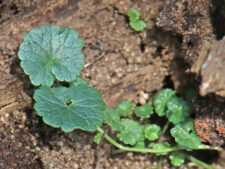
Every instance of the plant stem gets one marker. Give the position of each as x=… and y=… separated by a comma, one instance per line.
x=135, y=149
x=198, y=162
x=165, y=127
x=206, y=147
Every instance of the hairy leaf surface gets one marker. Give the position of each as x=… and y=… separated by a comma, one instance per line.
x=70, y=108
x=177, y=158
x=133, y=14
x=152, y=132
x=185, y=136
x=112, y=118
x=144, y=111
x=178, y=110
x=50, y=53
x=131, y=133
x=124, y=108
x=161, y=99
x=138, y=25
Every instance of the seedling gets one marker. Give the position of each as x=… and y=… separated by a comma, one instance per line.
x=51, y=55
x=135, y=22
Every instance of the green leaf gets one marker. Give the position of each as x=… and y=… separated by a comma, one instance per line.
x=138, y=25
x=160, y=146
x=124, y=108
x=51, y=52
x=177, y=158
x=135, y=22
x=98, y=138
x=161, y=100
x=152, y=132
x=70, y=108
x=133, y=14
x=144, y=111
x=112, y=118
x=185, y=136
x=132, y=132
x=140, y=144
x=178, y=110
x=79, y=81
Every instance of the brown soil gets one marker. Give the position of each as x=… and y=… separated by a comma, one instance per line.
x=122, y=64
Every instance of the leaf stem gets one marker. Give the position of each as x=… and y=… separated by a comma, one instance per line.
x=198, y=162
x=165, y=127
x=206, y=147
x=135, y=149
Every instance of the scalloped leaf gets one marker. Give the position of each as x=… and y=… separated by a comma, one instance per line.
x=178, y=110
x=131, y=133
x=133, y=14
x=135, y=22
x=161, y=99
x=185, y=136
x=138, y=25
x=144, y=111
x=124, y=108
x=70, y=108
x=112, y=118
x=177, y=158
x=152, y=132
x=50, y=53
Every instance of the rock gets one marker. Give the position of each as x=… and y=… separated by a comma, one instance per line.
x=213, y=70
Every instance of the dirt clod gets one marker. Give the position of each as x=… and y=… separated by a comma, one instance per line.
x=189, y=19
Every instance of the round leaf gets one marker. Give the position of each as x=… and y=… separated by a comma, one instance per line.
x=112, y=118
x=131, y=133
x=124, y=108
x=133, y=14
x=138, y=25
x=178, y=110
x=70, y=108
x=177, y=158
x=185, y=136
x=144, y=111
x=161, y=100
x=152, y=132
x=51, y=52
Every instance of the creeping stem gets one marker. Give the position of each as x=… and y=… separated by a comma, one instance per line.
x=135, y=149
x=148, y=150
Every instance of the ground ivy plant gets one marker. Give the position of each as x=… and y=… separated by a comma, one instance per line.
x=52, y=54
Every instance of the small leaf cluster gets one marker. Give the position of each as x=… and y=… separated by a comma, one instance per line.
x=141, y=133
x=178, y=111
x=135, y=22
x=129, y=131
x=51, y=55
